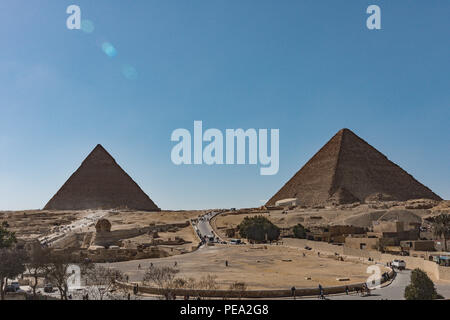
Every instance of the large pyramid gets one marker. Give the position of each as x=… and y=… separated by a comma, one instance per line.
x=100, y=183
x=346, y=170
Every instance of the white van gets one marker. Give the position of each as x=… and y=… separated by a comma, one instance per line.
x=399, y=264
x=235, y=241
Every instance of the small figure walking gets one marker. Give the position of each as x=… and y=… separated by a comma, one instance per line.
x=226, y=263
x=321, y=296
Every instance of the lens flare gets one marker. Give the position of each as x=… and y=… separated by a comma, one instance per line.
x=129, y=72
x=87, y=26
x=109, y=49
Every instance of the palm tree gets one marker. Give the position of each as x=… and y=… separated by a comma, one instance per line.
x=441, y=227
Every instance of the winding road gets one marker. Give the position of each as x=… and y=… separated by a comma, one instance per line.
x=203, y=226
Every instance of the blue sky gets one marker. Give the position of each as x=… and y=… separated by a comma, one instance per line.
x=308, y=68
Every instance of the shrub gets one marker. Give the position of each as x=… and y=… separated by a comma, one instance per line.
x=258, y=229
x=421, y=287
x=300, y=231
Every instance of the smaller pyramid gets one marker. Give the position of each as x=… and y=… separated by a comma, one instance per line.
x=100, y=183
x=347, y=170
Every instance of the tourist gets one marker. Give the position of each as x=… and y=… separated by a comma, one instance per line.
x=321, y=296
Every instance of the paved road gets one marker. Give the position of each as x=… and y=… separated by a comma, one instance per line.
x=78, y=225
x=394, y=291
x=203, y=225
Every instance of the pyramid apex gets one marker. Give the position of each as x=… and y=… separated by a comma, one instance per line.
x=99, y=146
x=345, y=130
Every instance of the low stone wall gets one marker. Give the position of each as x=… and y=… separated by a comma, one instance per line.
x=249, y=294
x=316, y=245
x=444, y=273
x=375, y=255
x=118, y=255
x=431, y=268
x=71, y=240
x=113, y=237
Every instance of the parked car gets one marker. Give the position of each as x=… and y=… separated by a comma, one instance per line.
x=10, y=289
x=399, y=264
x=235, y=241
x=16, y=285
x=48, y=288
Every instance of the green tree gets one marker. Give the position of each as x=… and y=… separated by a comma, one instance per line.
x=300, y=231
x=12, y=264
x=421, y=287
x=441, y=227
x=7, y=238
x=258, y=229
x=11, y=259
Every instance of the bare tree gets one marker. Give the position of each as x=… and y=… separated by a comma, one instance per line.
x=58, y=273
x=101, y=281
x=37, y=265
x=239, y=287
x=162, y=278
x=208, y=282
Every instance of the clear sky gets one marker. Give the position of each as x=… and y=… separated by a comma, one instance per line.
x=308, y=68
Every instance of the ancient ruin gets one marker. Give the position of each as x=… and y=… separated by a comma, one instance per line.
x=348, y=170
x=100, y=183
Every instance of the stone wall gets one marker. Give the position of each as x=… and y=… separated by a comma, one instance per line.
x=316, y=245
x=444, y=273
x=113, y=237
x=249, y=294
x=118, y=255
x=433, y=270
